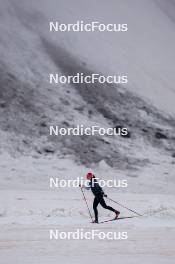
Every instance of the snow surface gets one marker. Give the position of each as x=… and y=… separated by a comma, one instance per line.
x=29, y=209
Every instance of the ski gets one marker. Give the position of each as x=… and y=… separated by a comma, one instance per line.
x=116, y=219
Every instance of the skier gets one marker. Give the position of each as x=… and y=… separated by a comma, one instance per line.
x=99, y=194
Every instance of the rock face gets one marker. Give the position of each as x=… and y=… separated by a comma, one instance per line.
x=29, y=105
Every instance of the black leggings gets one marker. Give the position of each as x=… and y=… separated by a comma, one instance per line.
x=99, y=200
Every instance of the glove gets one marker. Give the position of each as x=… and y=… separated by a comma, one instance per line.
x=105, y=195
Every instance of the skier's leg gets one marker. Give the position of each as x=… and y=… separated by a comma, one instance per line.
x=104, y=205
x=95, y=204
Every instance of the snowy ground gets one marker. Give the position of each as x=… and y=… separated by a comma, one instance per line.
x=31, y=214
x=149, y=241
x=29, y=209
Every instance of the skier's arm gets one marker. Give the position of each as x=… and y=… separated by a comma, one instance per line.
x=102, y=192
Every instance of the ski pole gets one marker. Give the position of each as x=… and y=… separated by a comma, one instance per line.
x=86, y=204
x=124, y=207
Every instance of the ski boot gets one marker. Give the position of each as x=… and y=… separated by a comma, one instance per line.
x=116, y=214
x=95, y=222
